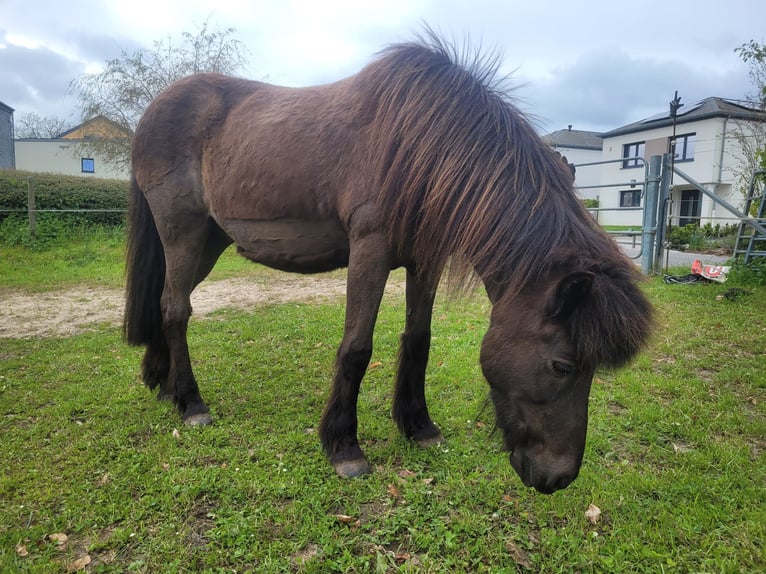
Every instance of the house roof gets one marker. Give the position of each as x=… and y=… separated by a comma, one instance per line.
x=576, y=139
x=702, y=110
x=97, y=127
x=6, y=108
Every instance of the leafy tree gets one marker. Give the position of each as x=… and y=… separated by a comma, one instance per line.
x=129, y=83
x=752, y=135
x=32, y=125
x=754, y=54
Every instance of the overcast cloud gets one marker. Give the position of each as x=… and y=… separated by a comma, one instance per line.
x=596, y=65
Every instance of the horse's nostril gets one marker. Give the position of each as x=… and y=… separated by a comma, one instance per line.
x=563, y=481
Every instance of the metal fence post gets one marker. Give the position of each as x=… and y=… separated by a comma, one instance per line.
x=662, y=210
x=649, y=227
x=31, y=205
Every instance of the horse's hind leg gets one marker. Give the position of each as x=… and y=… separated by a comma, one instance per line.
x=410, y=411
x=156, y=363
x=189, y=256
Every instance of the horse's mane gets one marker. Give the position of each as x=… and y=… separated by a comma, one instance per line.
x=463, y=173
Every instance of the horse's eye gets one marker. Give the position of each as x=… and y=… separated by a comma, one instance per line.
x=561, y=369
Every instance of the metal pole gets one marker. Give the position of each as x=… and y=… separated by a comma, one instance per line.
x=31, y=205
x=649, y=227
x=662, y=210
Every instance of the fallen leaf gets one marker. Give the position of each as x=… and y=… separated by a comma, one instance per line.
x=344, y=518
x=400, y=558
x=519, y=555
x=393, y=491
x=21, y=550
x=375, y=365
x=79, y=564
x=176, y=434
x=593, y=513
x=404, y=473
x=103, y=480
x=428, y=481
x=58, y=537
x=165, y=466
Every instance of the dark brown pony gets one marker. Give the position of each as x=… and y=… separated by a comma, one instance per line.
x=417, y=159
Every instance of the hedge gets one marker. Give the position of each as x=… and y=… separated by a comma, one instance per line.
x=65, y=192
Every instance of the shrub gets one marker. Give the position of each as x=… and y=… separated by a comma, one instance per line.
x=590, y=203
x=695, y=237
x=752, y=273
x=61, y=192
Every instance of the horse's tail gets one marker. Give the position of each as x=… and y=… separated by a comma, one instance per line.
x=145, y=271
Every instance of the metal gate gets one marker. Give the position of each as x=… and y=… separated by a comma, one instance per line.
x=655, y=200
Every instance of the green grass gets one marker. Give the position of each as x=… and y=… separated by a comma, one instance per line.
x=675, y=455
x=87, y=257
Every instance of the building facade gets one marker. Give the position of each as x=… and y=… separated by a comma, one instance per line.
x=706, y=148
x=70, y=153
x=7, y=150
x=580, y=147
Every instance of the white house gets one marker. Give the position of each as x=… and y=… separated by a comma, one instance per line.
x=706, y=149
x=580, y=147
x=69, y=153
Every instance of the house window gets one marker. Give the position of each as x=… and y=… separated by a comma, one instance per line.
x=630, y=198
x=633, y=151
x=684, y=147
x=88, y=165
x=691, y=208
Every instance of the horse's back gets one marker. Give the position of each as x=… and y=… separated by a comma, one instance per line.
x=277, y=168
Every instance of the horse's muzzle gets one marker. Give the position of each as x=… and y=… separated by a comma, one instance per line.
x=546, y=481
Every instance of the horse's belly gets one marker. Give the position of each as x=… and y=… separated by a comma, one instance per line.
x=291, y=245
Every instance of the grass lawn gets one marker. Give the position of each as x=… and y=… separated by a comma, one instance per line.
x=98, y=475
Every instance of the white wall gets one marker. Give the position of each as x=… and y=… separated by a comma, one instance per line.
x=711, y=168
x=584, y=176
x=61, y=156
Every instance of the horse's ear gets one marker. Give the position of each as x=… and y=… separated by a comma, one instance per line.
x=569, y=293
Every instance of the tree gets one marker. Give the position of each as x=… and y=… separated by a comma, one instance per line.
x=752, y=135
x=754, y=54
x=129, y=83
x=31, y=125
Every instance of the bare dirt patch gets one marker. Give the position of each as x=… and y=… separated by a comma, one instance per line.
x=72, y=311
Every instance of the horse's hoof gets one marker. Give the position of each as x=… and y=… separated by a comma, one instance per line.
x=430, y=441
x=200, y=419
x=352, y=468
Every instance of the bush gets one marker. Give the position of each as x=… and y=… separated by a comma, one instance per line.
x=61, y=192
x=698, y=238
x=753, y=273
x=590, y=203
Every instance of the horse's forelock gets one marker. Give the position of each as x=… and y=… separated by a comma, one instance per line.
x=613, y=323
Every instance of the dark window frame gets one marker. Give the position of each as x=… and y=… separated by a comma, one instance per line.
x=684, y=151
x=630, y=198
x=632, y=153
x=84, y=165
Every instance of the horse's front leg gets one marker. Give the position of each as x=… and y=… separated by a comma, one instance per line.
x=368, y=270
x=409, y=410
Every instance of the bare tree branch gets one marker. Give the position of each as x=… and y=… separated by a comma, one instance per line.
x=129, y=83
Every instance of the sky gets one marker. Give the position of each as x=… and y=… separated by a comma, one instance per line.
x=596, y=65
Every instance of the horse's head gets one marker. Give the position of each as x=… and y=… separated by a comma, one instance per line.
x=540, y=373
